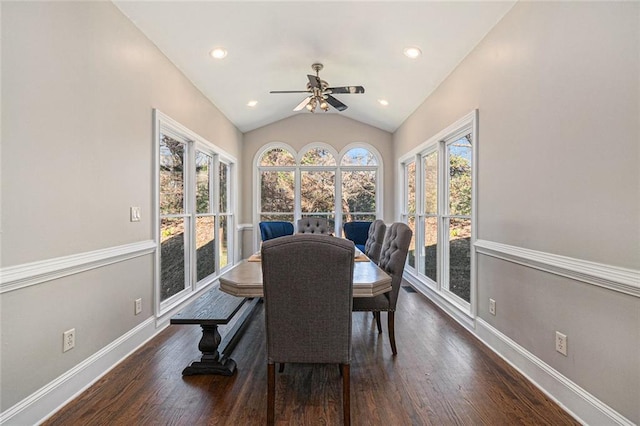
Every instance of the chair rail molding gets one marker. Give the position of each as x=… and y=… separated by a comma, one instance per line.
x=614, y=278
x=28, y=274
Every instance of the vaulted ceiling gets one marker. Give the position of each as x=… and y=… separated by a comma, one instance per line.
x=271, y=46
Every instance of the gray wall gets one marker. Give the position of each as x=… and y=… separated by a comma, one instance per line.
x=79, y=83
x=303, y=129
x=557, y=86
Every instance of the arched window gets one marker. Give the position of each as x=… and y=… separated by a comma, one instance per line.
x=318, y=182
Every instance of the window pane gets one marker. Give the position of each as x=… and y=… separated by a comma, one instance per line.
x=431, y=183
x=277, y=157
x=350, y=217
x=224, y=182
x=460, y=176
x=172, y=257
x=223, y=234
x=318, y=157
x=460, y=257
x=411, y=256
x=276, y=191
x=171, y=176
x=359, y=191
x=359, y=157
x=317, y=192
x=276, y=217
x=205, y=246
x=431, y=248
x=411, y=188
x=203, y=184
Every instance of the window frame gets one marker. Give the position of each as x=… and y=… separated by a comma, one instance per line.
x=438, y=144
x=299, y=168
x=163, y=124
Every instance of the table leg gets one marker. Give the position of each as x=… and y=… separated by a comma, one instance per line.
x=210, y=362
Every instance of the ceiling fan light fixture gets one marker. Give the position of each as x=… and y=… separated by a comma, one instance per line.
x=324, y=106
x=412, y=52
x=218, y=52
x=311, y=106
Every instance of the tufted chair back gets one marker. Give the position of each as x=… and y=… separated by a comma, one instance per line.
x=373, y=246
x=393, y=256
x=314, y=225
x=308, y=295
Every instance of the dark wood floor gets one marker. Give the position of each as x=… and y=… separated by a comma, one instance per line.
x=441, y=376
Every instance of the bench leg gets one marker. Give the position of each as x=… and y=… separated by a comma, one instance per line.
x=211, y=362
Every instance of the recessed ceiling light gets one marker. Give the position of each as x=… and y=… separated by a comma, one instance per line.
x=412, y=52
x=383, y=102
x=252, y=104
x=219, y=53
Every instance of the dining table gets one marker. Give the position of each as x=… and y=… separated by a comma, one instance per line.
x=241, y=287
x=245, y=279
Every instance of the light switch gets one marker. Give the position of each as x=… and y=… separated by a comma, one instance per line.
x=135, y=214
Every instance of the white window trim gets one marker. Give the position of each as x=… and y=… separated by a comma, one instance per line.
x=165, y=124
x=467, y=123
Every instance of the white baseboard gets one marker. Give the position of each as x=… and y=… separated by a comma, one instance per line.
x=43, y=403
x=578, y=402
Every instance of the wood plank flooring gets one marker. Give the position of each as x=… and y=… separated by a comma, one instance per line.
x=442, y=375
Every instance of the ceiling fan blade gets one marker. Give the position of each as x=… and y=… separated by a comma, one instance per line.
x=289, y=91
x=313, y=80
x=336, y=103
x=303, y=103
x=346, y=89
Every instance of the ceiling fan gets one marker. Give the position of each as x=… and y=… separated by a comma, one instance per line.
x=320, y=93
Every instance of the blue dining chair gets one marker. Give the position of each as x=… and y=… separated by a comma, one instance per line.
x=275, y=229
x=358, y=232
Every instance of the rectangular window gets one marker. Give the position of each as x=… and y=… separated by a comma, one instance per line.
x=430, y=215
x=277, y=195
x=195, y=213
x=205, y=217
x=441, y=175
x=410, y=209
x=174, y=259
x=359, y=195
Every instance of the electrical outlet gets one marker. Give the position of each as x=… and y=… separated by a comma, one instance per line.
x=492, y=306
x=561, y=343
x=138, y=306
x=134, y=214
x=68, y=339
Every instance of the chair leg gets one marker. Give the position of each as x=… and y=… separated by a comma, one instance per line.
x=376, y=315
x=346, y=394
x=392, y=334
x=271, y=393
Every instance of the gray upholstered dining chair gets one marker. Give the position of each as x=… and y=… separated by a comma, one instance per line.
x=308, y=286
x=392, y=259
x=314, y=225
x=373, y=246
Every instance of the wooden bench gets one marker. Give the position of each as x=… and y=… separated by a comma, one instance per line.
x=211, y=309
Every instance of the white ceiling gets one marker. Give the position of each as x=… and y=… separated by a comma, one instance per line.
x=272, y=45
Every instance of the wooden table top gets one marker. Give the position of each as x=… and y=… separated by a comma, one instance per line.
x=245, y=280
